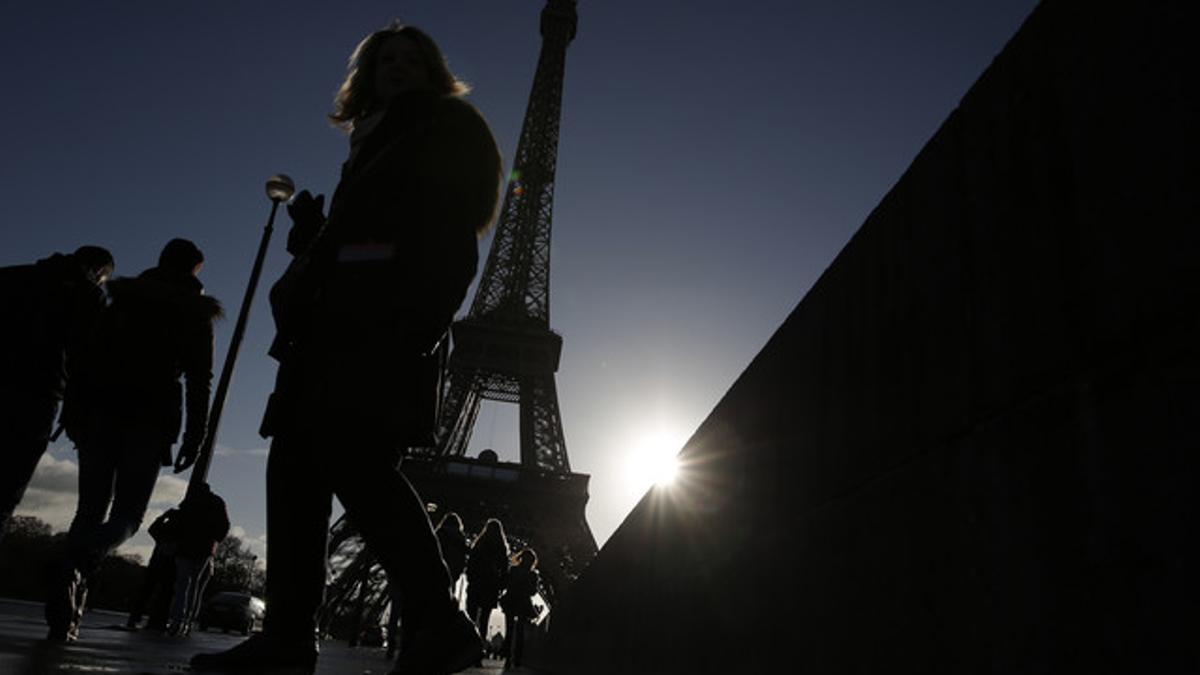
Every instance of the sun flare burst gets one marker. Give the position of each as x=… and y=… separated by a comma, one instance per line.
x=653, y=459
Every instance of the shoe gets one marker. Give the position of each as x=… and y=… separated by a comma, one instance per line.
x=446, y=647
x=260, y=653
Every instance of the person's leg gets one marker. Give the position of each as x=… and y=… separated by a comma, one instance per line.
x=96, y=471
x=160, y=602
x=137, y=466
x=198, y=590
x=299, y=503
x=393, y=522
x=518, y=641
x=138, y=608
x=24, y=434
x=186, y=571
x=395, y=527
x=298, y=507
x=510, y=627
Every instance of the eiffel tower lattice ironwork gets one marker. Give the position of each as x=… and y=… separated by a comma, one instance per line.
x=505, y=351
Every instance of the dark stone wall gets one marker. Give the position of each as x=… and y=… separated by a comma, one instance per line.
x=972, y=448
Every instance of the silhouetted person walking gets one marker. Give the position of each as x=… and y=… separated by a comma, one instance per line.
x=203, y=523
x=517, y=603
x=359, y=317
x=123, y=410
x=154, y=595
x=487, y=567
x=453, y=542
x=49, y=309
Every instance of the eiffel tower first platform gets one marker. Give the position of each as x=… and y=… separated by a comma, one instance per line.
x=505, y=351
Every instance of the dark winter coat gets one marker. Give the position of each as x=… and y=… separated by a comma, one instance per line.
x=487, y=567
x=360, y=312
x=49, y=309
x=158, y=328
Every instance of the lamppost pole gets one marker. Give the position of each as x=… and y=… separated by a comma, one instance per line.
x=279, y=189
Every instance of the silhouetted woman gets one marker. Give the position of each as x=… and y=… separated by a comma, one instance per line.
x=487, y=566
x=517, y=603
x=359, y=316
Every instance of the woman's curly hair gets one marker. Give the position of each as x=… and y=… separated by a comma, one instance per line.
x=356, y=98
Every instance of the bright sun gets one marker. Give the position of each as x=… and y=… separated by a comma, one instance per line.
x=652, y=459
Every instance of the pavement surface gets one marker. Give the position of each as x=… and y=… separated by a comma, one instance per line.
x=105, y=646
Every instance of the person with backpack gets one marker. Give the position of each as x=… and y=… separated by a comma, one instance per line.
x=204, y=522
x=123, y=409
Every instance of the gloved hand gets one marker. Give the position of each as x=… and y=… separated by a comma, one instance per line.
x=188, y=452
x=308, y=215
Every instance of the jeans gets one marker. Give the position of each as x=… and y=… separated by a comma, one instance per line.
x=304, y=473
x=117, y=471
x=24, y=433
x=160, y=576
x=190, y=575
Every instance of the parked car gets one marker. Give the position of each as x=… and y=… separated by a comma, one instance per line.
x=233, y=611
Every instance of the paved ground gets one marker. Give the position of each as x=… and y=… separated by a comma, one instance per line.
x=104, y=647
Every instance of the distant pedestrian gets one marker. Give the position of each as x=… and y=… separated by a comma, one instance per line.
x=453, y=542
x=517, y=604
x=123, y=409
x=154, y=595
x=49, y=309
x=487, y=566
x=203, y=523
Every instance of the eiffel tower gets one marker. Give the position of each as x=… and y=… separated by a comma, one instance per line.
x=505, y=351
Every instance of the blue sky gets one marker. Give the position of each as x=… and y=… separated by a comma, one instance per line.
x=714, y=158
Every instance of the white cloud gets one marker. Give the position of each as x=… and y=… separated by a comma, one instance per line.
x=52, y=492
x=140, y=551
x=168, y=491
x=256, y=544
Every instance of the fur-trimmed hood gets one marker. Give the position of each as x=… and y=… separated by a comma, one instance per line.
x=157, y=285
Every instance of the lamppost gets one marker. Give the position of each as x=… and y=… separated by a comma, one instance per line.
x=279, y=189
x=250, y=573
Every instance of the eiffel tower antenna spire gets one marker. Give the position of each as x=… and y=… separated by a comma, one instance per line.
x=515, y=286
